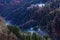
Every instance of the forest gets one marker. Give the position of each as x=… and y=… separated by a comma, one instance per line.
x=30, y=20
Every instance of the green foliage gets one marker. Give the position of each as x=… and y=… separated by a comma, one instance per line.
x=26, y=35
x=47, y=37
x=14, y=29
x=36, y=36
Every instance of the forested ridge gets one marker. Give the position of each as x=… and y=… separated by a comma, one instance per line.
x=27, y=16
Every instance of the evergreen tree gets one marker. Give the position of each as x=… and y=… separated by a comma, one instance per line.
x=14, y=29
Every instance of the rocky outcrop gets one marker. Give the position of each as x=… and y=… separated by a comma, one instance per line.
x=10, y=36
x=3, y=27
x=4, y=31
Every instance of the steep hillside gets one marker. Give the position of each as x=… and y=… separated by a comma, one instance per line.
x=21, y=13
x=4, y=31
